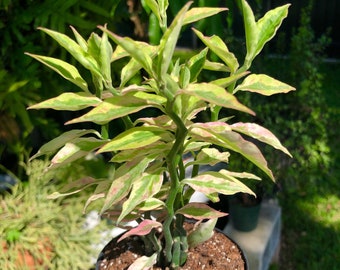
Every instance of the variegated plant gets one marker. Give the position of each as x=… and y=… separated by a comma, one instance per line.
x=149, y=184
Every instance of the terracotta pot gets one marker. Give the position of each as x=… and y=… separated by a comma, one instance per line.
x=218, y=253
x=25, y=258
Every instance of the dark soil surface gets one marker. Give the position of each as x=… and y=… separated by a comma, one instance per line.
x=218, y=253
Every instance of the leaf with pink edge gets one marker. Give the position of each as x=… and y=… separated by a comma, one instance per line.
x=124, y=178
x=142, y=189
x=199, y=211
x=58, y=142
x=144, y=228
x=68, y=102
x=260, y=133
x=143, y=263
x=211, y=182
x=264, y=85
x=218, y=134
x=215, y=95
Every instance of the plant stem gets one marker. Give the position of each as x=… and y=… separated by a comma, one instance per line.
x=215, y=111
x=174, y=200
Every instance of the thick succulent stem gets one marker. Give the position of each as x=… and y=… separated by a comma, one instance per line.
x=172, y=233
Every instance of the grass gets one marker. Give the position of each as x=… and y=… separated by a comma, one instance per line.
x=311, y=216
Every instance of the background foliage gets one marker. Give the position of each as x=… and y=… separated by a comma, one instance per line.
x=49, y=230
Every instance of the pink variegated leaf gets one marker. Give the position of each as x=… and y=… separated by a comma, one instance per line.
x=215, y=95
x=217, y=133
x=134, y=138
x=199, y=211
x=75, y=150
x=210, y=156
x=150, y=204
x=58, y=142
x=144, y=228
x=143, y=188
x=124, y=179
x=211, y=182
x=119, y=106
x=143, y=263
x=260, y=133
x=158, y=148
x=68, y=102
x=264, y=85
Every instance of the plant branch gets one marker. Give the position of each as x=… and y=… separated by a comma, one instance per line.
x=173, y=201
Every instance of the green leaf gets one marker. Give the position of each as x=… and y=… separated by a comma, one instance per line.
x=216, y=95
x=118, y=53
x=58, y=142
x=128, y=71
x=119, y=106
x=142, y=189
x=225, y=82
x=196, y=64
x=75, y=186
x=75, y=50
x=216, y=182
x=162, y=121
x=201, y=233
x=199, y=13
x=105, y=58
x=251, y=32
x=199, y=211
x=74, y=150
x=243, y=175
x=158, y=148
x=125, y=176
x=81, y=41
x=80, y=184
x=68, y=102
x=210, y=156
x=151, y=204
x=216, y=44
x=188, y=106
x=131, y=68
x=64, y=69
x=218, y=133
x=260, y=133
x=215, y=66
x=137, y=50
x=259, y=33
x=264, y=85
x=184, y=76
x=169, y=40
x=134, y=138
x=94, y=47
x=153, y=5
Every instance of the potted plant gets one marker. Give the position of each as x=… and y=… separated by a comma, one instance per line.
x=148, y=183
x=32, y=229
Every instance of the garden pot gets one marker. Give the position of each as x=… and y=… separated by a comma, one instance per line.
x=218, y=253
x=24, y=259
x=244, y=213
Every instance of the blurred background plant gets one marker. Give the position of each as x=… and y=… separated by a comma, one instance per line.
x=43, y=232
